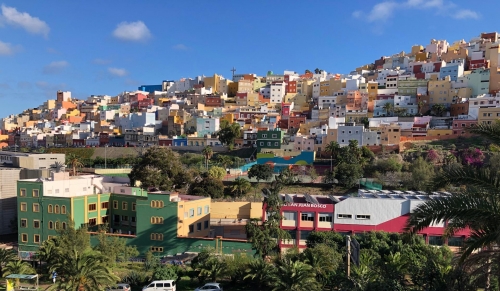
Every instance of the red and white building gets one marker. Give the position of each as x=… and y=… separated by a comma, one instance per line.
x=371, y=210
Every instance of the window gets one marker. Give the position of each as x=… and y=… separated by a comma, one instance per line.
x=24, y=237
x=156, y=236
x=276, y=144
x=66, y=190
x=124, y=206
x=156, y=249
x=36, y=193
x=198, y=226
x=288, y=215
x=275, y=136
x=191, y=212
x=36, y=223
x=50, y=209
x=305, y=216
x=344, y=216
x=24, y=222
x=207, y=209
x=325, y=217
x=104, y=205
x=57, y=191
x=22, y=192
x=92, y=221
x=133, y=206
x=191, y=228
x=36, y=238
x=105, y=219
x=115, y=204
x=436, y=240
x=56, y=225
x=264, y=136
x=124, y=218
x=455, y=241
x=156, y=220
x=156, y=204
x=36, y=207
x=206, y=224
x=63, y=209
x=92, y=207
x=199, y=211
x=56, y=209
x=51, y=225
x=362, y=216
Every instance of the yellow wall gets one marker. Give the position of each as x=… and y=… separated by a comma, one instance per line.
x=488, y=115
x=243, y=210
x=436, y=132
x=184, y=219
x=212, y=82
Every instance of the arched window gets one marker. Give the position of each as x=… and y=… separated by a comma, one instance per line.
x=63, y=209
x=64, y=225
x=153, y=203
x=56, y=209
x=50, y=208
x=57, y=225
x=160, y=204
x=51, y=225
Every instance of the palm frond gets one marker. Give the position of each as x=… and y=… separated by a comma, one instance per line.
x=481, y=178
x=489, y=131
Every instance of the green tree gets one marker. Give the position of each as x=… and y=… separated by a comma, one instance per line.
x=438, y=109
x=159, y=167
x=388, y=107
x=348, y=174
x=207, y=186
x=228, y=133
x=240, y=186
x=260, y=172
x=6, y=256
x=324, y=261
x=259, y=273
x=287, y=177
x=217, y=172
x=18, y=267
x=83, y=271
x=293, y=276
x=207, y=153
x=311, y=172
x=209, y=265
x=165, y=272
x=115, y=248
x=422, y=173
x=74, y=162
x=224, y=161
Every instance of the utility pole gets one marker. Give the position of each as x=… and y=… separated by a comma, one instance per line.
x=352, y=254
x=233, y=70
x=105, y=156
x=348, y=267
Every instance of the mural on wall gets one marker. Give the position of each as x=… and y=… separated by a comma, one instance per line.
x=304, y=158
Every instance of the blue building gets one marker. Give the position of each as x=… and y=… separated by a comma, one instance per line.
x=453, y=69
x=180, y=142
x=150, y=88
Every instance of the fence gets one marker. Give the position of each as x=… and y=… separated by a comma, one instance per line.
x=370, y=185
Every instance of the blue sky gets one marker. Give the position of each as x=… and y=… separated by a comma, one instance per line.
x=106, y=47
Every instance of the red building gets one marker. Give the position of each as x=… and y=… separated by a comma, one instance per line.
x=213, y=101
x=460, y=125
x=145, y=103
x=369, y=211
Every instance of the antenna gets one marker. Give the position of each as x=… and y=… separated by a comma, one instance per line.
x=233, y=70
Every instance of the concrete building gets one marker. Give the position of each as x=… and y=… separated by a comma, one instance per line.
x=454, y=69
x=350, y=131
x=207, y=126
x=479, y=81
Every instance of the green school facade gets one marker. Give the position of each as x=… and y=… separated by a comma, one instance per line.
x=163, y=222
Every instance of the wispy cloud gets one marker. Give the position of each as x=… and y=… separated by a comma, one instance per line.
x=52, y=51
x=24, y=85
x=55, y=67
x=48, y=88
x=132, y=31
x=383, y=11
x=31, y=24
x=8, y=49
x=117, y=72
x=180, y=47
x=4, y=86
x=101, y=61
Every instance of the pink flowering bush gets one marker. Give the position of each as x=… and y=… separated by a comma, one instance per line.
x=471, y=157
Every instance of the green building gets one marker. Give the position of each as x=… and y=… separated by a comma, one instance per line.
x=269, y=139
x=163, y=222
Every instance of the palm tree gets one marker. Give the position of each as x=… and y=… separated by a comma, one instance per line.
x=438, y=109
x=6, y=256
x=258, y=272
x=85, y=271
x=334, y=149
x=420, y=105
x=73, y=161
x=388, y=107
x=207, y=152
x=18, y=267
x=293, y=275
x=240, y=186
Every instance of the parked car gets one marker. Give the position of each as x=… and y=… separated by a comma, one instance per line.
x=161, y=285
x=119, y=287
x=210, y=287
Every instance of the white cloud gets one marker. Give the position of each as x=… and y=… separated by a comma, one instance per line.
x=132, y=31
x=55, y=67
x=465, y=13
x=386, y=9
x=180, y=47
x=101, y=61
x=31, y=24
x=117, y=72
x=8, y=49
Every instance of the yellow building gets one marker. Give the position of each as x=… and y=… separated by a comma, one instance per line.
x=439, y=91
x=193, y=215
x=212, y=82
x=228, y=219
x=390, y=134
x=232, y=89
x=488, y=115
x=245, y=86
x=229, y=117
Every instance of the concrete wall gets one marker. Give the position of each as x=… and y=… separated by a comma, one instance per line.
x=236, y=210
x=8, y=200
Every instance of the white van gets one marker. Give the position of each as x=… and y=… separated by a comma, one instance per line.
x=161, y=285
